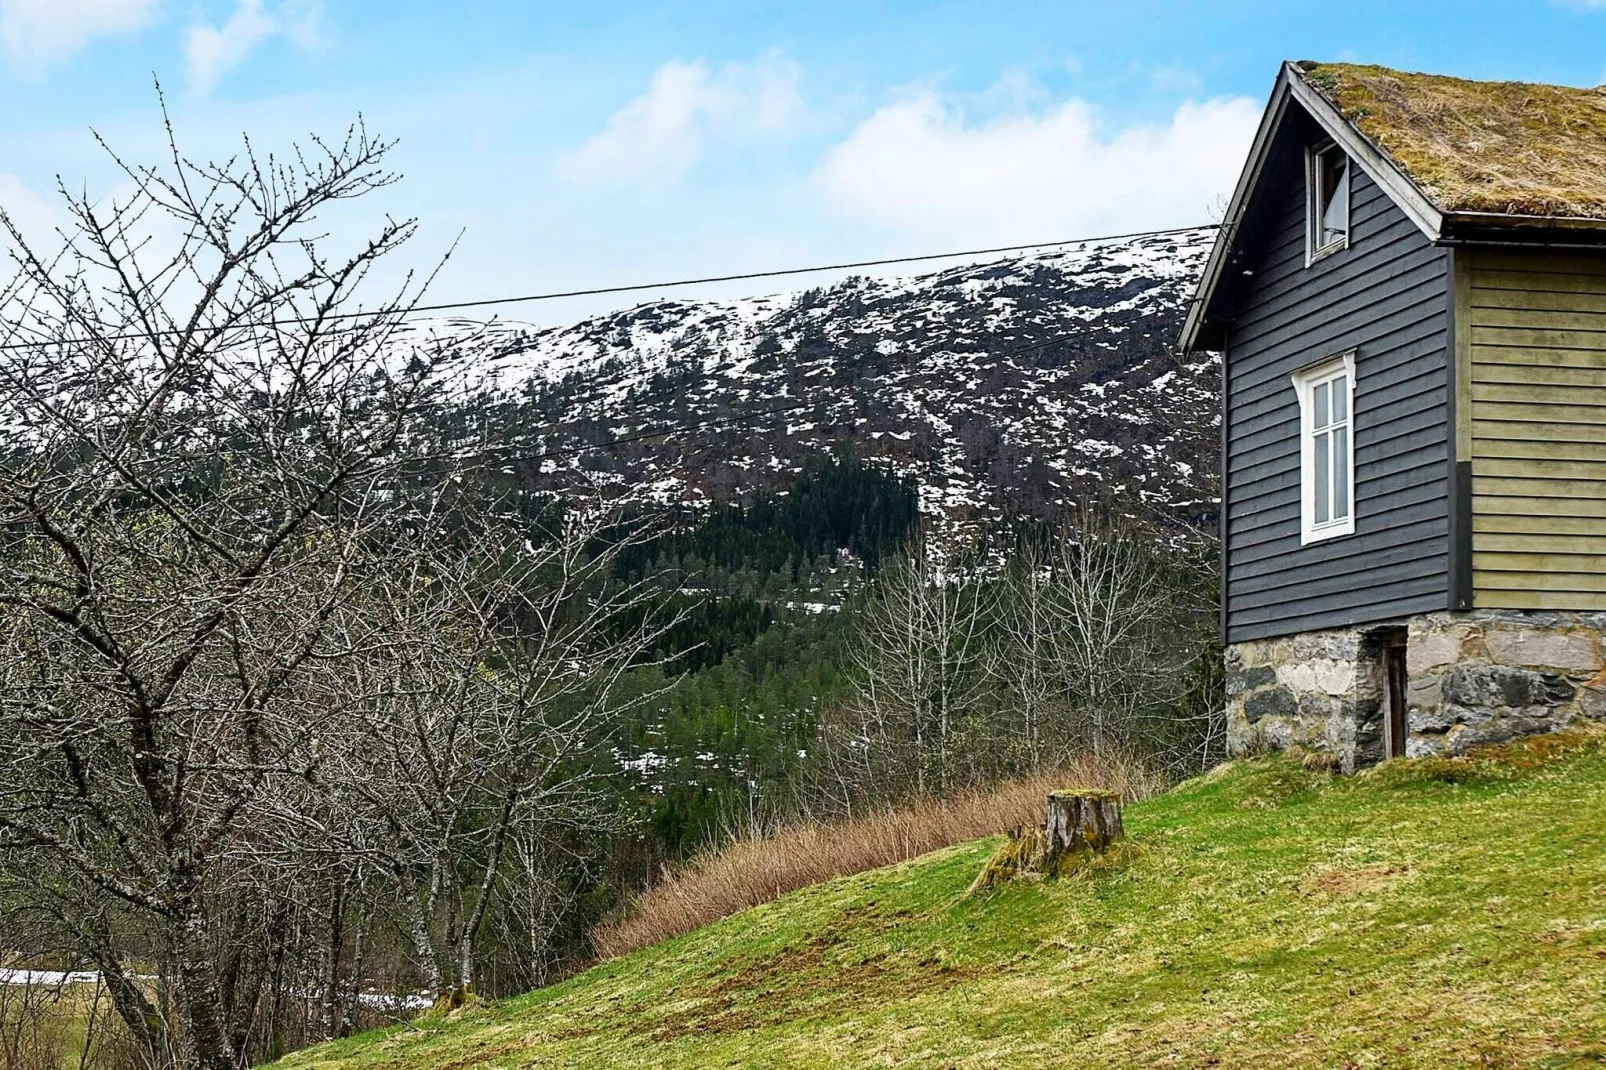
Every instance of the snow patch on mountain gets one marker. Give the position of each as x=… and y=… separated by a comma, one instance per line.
x=1018, y=386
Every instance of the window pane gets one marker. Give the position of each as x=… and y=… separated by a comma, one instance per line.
x=1323, y=475
x=1340, y=400
x=1318, y=406
x=1335, y=197
x=1340, y=472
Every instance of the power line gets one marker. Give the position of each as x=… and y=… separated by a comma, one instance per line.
x=638, y=286
x=790, y=271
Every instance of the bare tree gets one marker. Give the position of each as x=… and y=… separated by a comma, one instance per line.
x=541, y=899
x=507, y=646
x=194, y=450
x=917, y=657
x=1122, y=628
x=1025, y=651
x=1100, y=634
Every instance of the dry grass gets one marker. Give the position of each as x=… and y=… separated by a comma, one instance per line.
x=753, y=871
x=1507, y=147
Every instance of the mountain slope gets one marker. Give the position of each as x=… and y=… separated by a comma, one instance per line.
x=1015, y=387
x=1432, y=913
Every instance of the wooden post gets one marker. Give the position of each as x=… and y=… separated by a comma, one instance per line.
x=1080, y=822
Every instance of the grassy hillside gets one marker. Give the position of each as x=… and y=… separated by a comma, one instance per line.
x=1429, y=913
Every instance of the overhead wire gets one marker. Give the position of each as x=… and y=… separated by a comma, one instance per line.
x=799, y=271
x=444, y=306
x=595, y=387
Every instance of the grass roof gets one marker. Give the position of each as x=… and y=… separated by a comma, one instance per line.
x=1508, y=147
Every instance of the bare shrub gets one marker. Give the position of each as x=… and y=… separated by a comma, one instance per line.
x=755, y=870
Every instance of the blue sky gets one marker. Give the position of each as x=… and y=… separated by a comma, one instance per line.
x=591, y=143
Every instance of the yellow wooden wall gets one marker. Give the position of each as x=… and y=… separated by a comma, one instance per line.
x=1531, y=354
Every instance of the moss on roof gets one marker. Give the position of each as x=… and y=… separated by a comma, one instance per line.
x=1509, y=147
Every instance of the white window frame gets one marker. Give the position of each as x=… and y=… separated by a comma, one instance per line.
x=1314, y=250
x=1330, y=370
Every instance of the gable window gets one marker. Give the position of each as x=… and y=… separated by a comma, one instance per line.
x=1326, y=448
x=1327, y=182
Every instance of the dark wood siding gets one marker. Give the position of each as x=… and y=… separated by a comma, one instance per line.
x=1385, y=297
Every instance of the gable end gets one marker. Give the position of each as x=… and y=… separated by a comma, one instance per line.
x=1204, y=326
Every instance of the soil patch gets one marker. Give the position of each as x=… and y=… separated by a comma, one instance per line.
x=1347, y=882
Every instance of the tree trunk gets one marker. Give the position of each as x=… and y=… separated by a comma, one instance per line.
x=200, y=1001
x=329, y=998
x=354, y=987
x=429, y=962
x=140, y=1016
x=1080, y=823
x=476, y=918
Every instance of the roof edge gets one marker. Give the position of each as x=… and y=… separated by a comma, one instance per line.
x=1228, y=232
x=1516, y=221
x=1377, y=165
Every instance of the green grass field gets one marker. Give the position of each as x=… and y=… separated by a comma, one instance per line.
x=1430, y=913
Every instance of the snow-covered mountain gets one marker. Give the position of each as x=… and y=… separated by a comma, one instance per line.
x=1018, y=386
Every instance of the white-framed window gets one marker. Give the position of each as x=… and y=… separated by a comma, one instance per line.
x=1326, y=448
x=1327, y=184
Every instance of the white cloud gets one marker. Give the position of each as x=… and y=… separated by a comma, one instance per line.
x=35, y=33
x=35, y=216
x=918, y=166
x=659, y=136
x=213, y=51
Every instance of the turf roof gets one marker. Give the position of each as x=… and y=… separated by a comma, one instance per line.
x=1508, y=147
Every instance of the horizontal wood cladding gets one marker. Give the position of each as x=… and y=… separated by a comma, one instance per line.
x=1385, y=297
x=1536, y=322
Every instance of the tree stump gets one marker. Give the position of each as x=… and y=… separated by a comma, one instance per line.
x=1081, y=822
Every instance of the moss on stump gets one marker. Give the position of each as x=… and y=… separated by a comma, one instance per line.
x=1081, y=823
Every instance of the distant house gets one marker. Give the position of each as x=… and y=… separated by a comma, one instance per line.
x=1409, y=289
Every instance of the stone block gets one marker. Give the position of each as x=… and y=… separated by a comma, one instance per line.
x=1424, y=746
x=1335, y=677
x=1316, y=709
x=1335, y=645
x=1322, y=675
x=1575, y=651
x=1592, y=701
x=1491, y=686
x=1504, y=726
x=1435, y=648
x=1277, y=733
x=1434, y=719
x=1240, y=679
x=1272, y=702
x=1532, y=619
x=1425, y=692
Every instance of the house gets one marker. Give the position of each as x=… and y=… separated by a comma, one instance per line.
x=1409, y=293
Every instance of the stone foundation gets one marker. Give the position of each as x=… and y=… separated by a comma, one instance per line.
x=1483, y=676
x=1321, y=690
